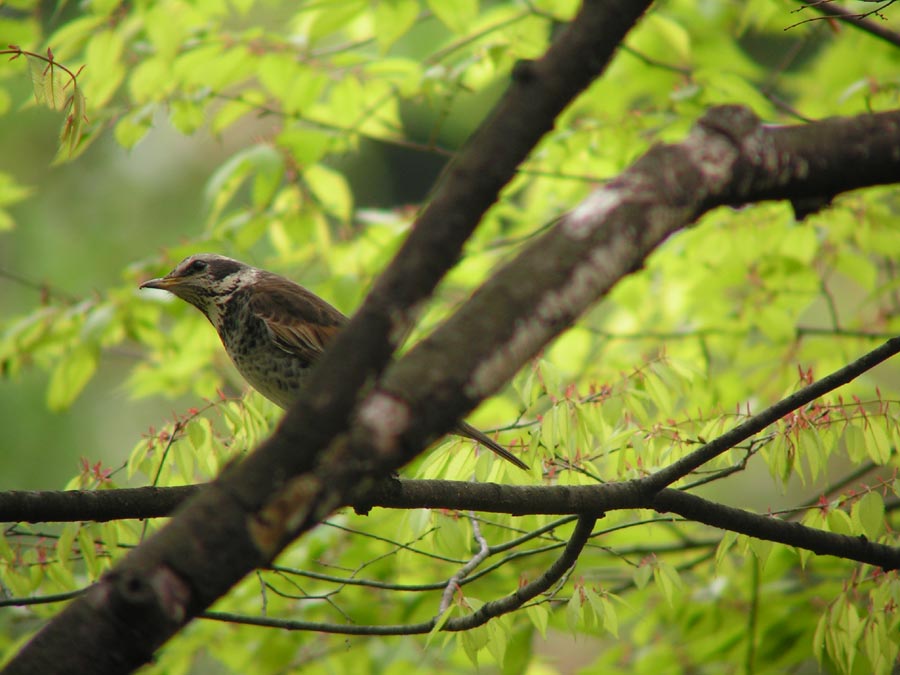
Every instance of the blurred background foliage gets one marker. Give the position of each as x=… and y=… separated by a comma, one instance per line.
x=86, y=222
x=303, y=137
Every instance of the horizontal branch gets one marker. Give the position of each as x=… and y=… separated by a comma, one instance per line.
x=770, y=528
x=598, y=499
x=79, y=505
x=66, y=506
x=254, y=509
x=155, y=502
x=556, y=499
x=328, y=451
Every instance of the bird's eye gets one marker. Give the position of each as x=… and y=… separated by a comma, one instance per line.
x=197, y=266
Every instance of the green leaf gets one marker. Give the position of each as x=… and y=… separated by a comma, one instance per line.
x=818, y=643
x=610, y=617
x=452, y=535
x=64, y=544
x=49, y=83
x=213, y=67
x=441, y=621
x=184, y=460
x=562, y=10
x=336, y=16
x=136, y=459
x=497, y=641
x=296, y=86
x=669, y=36
x=839, y=522
x=539, y=616
x=668, y=579
x=103, y=67
x=800, y=243
x=331, y=191
x=457, y=15
x=199, y=432
x=104, y=7
x=109, y=534
x=18, y=584
x=7, y=555
x=73, y=35
x=167, y=33
x=88, y=550
x=132, y=128
x=263, y=162
x=868, y=513
x=187, y=116
x=573, y=613
x=642, y=575
x=230, y=112
x=71, y=134
x=855, y=443
x=603, y=610
x=11, y=192
x=724, y=547
x=151, y=80
x=307, y=146
x=858, y=267
x=762, y=549
x=473, y=641
x=878, y=445
x=393, y=18
x=61, y=576
x=269, y=177
x=71, y=374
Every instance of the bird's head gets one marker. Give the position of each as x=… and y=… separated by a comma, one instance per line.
x=205, y=280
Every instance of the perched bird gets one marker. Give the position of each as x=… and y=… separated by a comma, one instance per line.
x=272, y=328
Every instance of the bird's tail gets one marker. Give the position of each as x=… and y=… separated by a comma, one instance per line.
x=467, y=430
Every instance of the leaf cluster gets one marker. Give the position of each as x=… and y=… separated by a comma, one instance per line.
x=726, y=318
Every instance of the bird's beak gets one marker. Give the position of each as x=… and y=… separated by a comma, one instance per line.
x=163, y=283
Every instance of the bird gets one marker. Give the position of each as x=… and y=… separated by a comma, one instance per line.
x=273, y=329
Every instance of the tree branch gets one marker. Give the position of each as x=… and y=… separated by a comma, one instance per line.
x=774, y=529
x=834, y=11
x=728, y=159
x=635, y=494
x=485, y=613
x=253, y=511
x=757, y=423
x=66, y=506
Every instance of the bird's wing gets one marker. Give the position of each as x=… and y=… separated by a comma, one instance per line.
x=298, y=321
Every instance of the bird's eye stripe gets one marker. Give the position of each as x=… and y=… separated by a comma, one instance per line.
x=224, y=268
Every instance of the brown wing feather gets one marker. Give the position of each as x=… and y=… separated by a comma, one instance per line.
x=299, y=322
x=302, y=324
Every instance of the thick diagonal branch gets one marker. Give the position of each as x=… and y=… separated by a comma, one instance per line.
x=253, y=511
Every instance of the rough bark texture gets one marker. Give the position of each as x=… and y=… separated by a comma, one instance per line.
x=252, y=511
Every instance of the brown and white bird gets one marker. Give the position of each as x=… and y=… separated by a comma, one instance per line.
x=272, y=328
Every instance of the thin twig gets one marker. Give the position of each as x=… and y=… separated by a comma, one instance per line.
x=757, y=423
x=456, y=580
